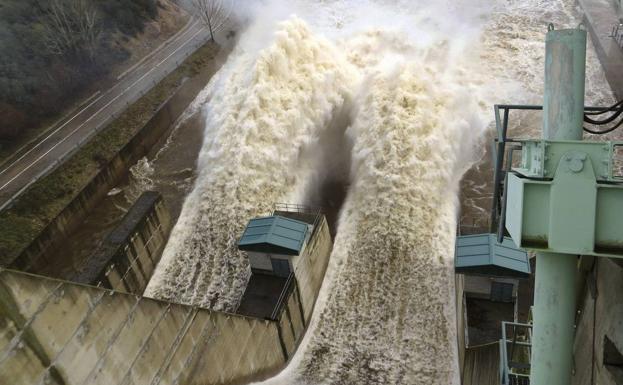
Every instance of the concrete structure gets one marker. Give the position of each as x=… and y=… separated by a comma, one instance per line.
x=128, y=256
x=311, y=265
x=487, y=302
x=62, y=333
x=599, y=327
x=600, y=17
x=461, y=319
x=478, y=327
x=272, y=243
x=302, y=233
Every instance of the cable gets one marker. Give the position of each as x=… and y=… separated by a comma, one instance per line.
x=617, y=108
x=605, y=121
x=611, y=108
x=604, y=131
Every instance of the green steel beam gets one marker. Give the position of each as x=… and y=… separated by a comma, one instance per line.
x=554, y=300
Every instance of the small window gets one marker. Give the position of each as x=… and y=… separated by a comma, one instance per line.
x=501, y=292
x=281, y=267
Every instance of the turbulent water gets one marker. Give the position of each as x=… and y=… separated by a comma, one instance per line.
x=392, y=97
x=392, y=263
x=264, y=109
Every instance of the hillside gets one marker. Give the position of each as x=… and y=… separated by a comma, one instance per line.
x=55, y=53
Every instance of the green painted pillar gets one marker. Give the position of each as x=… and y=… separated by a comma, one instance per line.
x=565, y=68
x=554, y=297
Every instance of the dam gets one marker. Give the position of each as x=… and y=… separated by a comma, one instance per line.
x=372, y=203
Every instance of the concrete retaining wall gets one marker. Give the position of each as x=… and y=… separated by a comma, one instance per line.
x=311, y=266
x=61, y=333
x=601, y=316
x=55, y=332
x=461, y=319
x=291, y=324
x=298, y=306
x=600, y=17
x=128, y=256
x=72, y=216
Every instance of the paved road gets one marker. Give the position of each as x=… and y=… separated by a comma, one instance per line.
x=66, y=136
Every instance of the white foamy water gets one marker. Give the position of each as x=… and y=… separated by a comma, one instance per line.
x=408, y=88
x=265, y=107
x=389, y=317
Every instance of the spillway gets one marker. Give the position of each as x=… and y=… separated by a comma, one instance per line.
x=407, y=87
x=264, y=109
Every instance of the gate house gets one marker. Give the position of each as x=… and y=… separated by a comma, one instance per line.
x=272, y=242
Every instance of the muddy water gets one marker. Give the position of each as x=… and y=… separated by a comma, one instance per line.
x=169, y=169
x=515, y=49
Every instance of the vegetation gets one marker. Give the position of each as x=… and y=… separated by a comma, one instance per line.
x=51, y=49
x=213, y=13
x=44, y=200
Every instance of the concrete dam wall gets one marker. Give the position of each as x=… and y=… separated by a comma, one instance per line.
x=128, y=256
x=63, y=333
x=58, y=332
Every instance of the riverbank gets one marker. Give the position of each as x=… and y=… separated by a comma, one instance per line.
x=38, y=206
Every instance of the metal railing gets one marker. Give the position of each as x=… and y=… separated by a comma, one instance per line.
x=515, y=352
x=298, y=208
x=316, y=211
x=283, y=297
x=617, y=33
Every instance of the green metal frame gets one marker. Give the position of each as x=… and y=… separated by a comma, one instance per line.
x=503, y=148
x=600, y=228
x=564, y=198
x=540, y=158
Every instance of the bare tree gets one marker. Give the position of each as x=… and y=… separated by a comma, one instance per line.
x=213, y=13
x=71, y=26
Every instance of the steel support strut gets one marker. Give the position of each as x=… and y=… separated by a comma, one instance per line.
x=554, y=298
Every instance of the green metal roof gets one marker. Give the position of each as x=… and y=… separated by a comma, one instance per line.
x=274, y=234
x=481, y=254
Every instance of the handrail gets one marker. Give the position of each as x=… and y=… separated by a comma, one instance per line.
x=507, y=365
x=283, y=297
x=617, y=33
x=317, y=211
x=298, y=208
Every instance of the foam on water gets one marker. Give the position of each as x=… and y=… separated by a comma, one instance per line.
x=390, y=316
x=386, y=314
x=264, y=109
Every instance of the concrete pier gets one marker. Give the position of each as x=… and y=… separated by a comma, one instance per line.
x=126, y=260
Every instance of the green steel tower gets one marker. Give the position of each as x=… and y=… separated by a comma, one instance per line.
x=554, y=299
x=564, y=200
